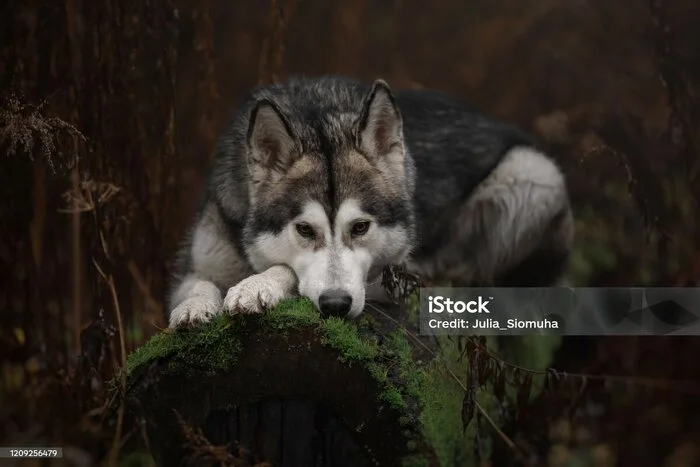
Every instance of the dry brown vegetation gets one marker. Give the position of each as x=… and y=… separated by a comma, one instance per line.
x=108, y=116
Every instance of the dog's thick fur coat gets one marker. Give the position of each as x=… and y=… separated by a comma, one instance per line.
x=320, y=183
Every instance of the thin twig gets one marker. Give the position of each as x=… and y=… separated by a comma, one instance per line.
x=75, y=228
x=685, y=387
x=109, y=280
x=116, y=443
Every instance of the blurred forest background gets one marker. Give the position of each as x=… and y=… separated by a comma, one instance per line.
x=110, y=110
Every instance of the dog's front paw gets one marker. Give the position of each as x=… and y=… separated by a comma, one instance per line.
x=194, y=310
x=254, y=294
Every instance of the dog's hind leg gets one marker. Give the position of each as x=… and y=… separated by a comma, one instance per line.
x=515, y=230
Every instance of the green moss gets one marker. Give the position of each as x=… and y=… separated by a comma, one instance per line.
x=408, y=369
x=392, y=396
x=212, y=348
x=343, y=336
x=379, y=372
x=291, y=314
x=441, y=417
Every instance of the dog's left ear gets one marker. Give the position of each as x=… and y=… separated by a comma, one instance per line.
x=380, y=128
x=271, y=142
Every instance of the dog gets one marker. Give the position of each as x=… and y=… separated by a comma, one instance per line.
x=319, y=183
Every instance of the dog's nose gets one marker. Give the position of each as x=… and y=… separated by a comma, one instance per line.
x=335, y=302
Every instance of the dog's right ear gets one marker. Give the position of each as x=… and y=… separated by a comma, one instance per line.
x=271, y=142
x=380, y=127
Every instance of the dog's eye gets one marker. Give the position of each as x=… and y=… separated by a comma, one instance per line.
x=305, y=230
x=359, y=228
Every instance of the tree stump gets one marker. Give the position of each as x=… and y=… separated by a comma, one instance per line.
x=293, y=389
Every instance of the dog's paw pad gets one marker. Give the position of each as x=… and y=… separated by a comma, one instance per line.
x=254, y=294
x=194, y=310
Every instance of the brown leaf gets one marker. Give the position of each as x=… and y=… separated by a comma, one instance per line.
x=484, y=370
x=524, y=391
x=468, y=406
x=470, y=349
x=499, y=388
x=461, y=348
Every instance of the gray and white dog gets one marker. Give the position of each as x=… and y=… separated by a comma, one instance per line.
x=318, y=184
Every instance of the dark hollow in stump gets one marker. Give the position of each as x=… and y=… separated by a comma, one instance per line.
x=289, y=387
x=290, y=432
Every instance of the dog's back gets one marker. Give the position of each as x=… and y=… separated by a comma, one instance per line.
x=454, y=146
x=490, y=207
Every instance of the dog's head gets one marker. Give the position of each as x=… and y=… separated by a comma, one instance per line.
x=331, y=198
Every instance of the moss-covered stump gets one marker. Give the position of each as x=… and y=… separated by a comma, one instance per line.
x=297, y=389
